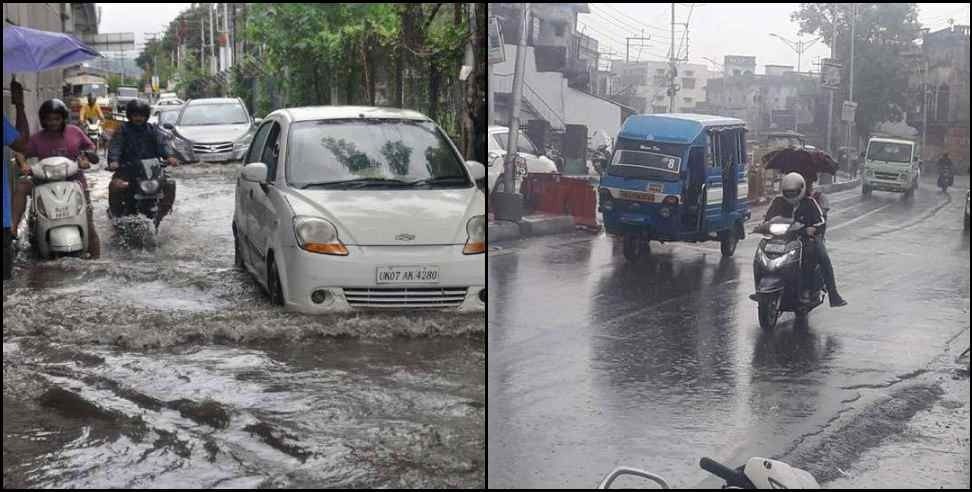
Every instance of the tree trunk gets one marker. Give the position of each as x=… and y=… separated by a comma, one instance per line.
x=476, y=90
x=434, y=82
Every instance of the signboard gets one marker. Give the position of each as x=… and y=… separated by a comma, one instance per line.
x=496, y=53
x=830, y=74
x=847, y=111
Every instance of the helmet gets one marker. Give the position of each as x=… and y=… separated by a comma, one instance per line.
x=54, y=106
x=794, y=188
x=137, y=106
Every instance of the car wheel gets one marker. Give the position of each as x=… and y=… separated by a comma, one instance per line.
x=273, y=283
x=237, y=252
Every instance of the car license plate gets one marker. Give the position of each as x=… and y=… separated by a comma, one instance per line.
x=638, y=196
x=223, y=156
x=408, y=275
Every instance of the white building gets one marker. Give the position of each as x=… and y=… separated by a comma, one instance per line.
x=645, y=85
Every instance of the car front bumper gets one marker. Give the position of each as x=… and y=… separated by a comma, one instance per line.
x=351, y=281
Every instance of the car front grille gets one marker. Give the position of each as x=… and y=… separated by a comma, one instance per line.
x=887, y=176
x=430, y=298
x=217, y=148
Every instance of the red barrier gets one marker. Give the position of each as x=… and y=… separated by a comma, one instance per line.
x=558, y=195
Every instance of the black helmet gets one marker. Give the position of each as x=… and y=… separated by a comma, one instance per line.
x=53, y=106
x=137, y=106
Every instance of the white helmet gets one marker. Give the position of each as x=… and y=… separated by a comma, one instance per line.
x=794, y=188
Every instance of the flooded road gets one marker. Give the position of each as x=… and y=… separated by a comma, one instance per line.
x=161, y=365
x=596, y=363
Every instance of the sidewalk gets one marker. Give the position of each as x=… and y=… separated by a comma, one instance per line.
x=545, y=224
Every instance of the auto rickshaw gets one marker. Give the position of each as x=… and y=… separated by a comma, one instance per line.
x=676, y=178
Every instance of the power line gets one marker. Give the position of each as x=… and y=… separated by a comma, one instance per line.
x=648, y=26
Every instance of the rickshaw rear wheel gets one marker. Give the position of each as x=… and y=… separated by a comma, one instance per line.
x=729, y=240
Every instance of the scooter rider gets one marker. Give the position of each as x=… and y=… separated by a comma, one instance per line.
x=945, y=167
x=58, y=138
x=137, y=140
x=796, y=204
x=91, y=110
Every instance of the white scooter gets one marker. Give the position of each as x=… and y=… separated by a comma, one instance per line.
x=759, y=473
x=94, y=131
x=57, y=217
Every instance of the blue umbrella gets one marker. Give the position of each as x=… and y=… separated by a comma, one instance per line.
x=31, y=50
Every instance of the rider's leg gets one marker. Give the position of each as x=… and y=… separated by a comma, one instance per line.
x=168, y=199
x=21, y=192
x=116, y=195
x=827, y=267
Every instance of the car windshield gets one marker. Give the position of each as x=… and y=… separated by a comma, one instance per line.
x=889, y=151
x=387, y=152
x=214, y=114
x=99, y=90
x=127, y=92
x=523, y=144
x=640, y=164
x=168, y=117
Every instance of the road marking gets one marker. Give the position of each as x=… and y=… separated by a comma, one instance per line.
x=872, y=212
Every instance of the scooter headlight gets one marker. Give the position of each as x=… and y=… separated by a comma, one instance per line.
x=149, y=187
x=781, y=261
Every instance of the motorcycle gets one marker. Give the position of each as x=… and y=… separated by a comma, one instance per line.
x=93, y=129
x=758, y=473
x=778, y=273
x=946, y=178
x=146, y=190
x=600, y=158
x=57, y=219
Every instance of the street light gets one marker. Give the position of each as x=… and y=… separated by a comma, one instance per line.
x=800, y=47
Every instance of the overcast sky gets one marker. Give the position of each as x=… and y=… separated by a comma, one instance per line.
x=719, y=29
x=139, y=18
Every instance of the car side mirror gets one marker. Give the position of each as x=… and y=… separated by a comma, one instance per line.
x=255, y=173
x=168, y=126
x=257, y=121
x=476, y=170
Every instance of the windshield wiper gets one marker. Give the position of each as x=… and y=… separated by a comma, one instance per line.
x=441, y=180
x=357, y=183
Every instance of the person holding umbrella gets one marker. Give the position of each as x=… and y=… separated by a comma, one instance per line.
x=30, y=50
x=807, y=165
x=16, y=139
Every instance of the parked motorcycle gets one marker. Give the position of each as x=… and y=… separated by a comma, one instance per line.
x=758, y=473
x=145, y=192
x=778, y=272
x=57, y=219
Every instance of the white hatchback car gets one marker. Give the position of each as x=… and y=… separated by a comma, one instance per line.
x=344, y=208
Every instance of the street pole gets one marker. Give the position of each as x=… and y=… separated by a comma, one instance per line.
x=671, y=76
x=850, y=124
x=509, y=207
x=212, y=43
x=924, y=105
x=830, y=109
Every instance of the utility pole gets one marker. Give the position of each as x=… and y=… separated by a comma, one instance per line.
x=509, y=204
x=924, y=104
x=627, y=45
x=830, y=109
x=212, y=43
x=853, y=23
x=671, y=72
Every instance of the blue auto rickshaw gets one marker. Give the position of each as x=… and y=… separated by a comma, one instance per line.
x=676, y=178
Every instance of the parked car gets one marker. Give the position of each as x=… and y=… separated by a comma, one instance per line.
x=530, y=159
x=123, y=96
x=966, y=210
x=167, y=115
x=167, y=103
x=341, y=208
x=213, y=130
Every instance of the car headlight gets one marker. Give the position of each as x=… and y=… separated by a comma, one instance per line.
x=476, y=231
x=318, y=236
x=149, y=187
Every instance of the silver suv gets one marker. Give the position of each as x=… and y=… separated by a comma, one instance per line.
x=212, y=130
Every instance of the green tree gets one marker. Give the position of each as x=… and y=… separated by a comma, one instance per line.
x=884, y=33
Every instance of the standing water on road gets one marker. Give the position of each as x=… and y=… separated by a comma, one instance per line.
x=161, y=365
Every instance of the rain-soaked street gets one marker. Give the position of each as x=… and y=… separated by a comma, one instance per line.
x=165, y=367
x=595, y=362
